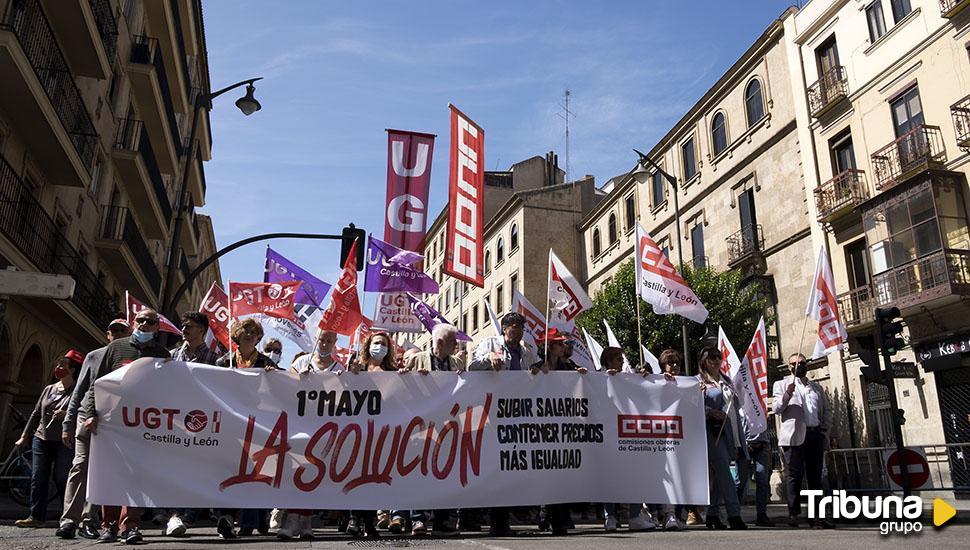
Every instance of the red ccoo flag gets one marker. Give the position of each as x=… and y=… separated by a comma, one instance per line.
x=343, y=315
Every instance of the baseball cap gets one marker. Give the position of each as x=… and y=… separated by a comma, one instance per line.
x=74, y=355
x=119, y=321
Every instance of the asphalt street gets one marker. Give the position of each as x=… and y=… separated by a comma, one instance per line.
x=585, y=537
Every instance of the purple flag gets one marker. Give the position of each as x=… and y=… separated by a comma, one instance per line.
x=429, y=317
x=389, y=269
x=280, y=270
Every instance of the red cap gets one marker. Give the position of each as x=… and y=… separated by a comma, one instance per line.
x=553, y=335
x=122, y=322
x=74, y=355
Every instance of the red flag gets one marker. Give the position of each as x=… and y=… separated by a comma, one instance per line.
x=341, y=355
x=823, y=307
x=343, y=315
x=133, y=306
x=465, y=244
x=272, y=299
x=359, y=335
x=216, y=307
x=408, y=181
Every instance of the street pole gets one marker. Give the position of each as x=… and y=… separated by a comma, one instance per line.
x=889, y=378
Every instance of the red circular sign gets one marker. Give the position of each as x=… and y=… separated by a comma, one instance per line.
x=919, y=470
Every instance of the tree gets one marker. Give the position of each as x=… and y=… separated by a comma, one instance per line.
x=736, y=308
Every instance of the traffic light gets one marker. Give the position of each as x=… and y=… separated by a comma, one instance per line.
x=865, y=348
x=890, y=329
x=351, y=233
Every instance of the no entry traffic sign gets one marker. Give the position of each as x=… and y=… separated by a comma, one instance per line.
x=916, y=465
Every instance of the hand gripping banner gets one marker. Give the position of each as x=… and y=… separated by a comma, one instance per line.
x=255, y=439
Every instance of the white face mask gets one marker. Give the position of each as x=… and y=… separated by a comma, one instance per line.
x=275, y=356
x=378, y=351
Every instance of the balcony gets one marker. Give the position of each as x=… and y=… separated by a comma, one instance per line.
x=134, y=158
x=190, y=233
x=827, y=92
x=149, y=84
x=125, y=251
x=745, y=246
x=88, y=32
x=698, y=262
x=856, y=306
x=840, y=195
x=165, y=18
x=941, y=275
x=911, y=154
x=32, y=233
x=951, y=8
x=40, y=99
x=960, y=112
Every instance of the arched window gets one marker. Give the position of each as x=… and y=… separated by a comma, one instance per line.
x=719, y=134
x=500, y=251
x=514, y=238
x=596, y=243
x=488, y=261
x=611, y=231
x=753, y=102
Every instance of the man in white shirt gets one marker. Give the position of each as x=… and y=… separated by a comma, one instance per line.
x=805, y=420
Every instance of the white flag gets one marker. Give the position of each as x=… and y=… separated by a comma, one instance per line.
x=535, y=321
x=302, y=329
x=730, y=362
x=582, y=355
x=567, y=296
x=659, y=284
x=823, y=308
x=650, y=359
x=751, y=383
x=491, y=315
x=595, y=349
x=613, y=342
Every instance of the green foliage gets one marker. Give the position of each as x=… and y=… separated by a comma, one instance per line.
x=735, y=308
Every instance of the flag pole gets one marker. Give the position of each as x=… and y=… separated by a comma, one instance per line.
x=232, y=354
x=636, y=295
x=545, y=335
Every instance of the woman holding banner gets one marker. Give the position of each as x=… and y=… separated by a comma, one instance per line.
x=723, y=438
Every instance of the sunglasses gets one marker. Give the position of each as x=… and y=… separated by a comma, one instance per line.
x=146, y=321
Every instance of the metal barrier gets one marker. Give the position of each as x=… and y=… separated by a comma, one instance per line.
x=863, y=470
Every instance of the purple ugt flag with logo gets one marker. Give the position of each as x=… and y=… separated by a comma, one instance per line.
x=389, y=269
x=280, y=270
x=429, y=317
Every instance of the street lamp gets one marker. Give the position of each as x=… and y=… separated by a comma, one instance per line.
x=642, y=174
x=248, y=105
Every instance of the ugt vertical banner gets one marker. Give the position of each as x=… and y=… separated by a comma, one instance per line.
x=406, y=215
x=466, y=182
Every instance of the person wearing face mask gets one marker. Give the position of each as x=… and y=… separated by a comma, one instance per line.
x=805, y=420
x=322, y=357
x=79, y=516
x=43, y=431
x=273, y=349
x=376, y=355
x=120, y=352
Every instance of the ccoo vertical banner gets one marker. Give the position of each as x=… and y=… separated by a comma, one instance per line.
x=406, y=215
x=464, y=249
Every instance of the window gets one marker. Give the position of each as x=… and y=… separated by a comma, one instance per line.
x=488, y=262
x=877, y=24
x=827, y=55
x=499, y=300
x=901, y=9
x=749, y=219
x=658, y=191
x=447, y=298
x=485, y=313
x=611, y=228
x=631, y=212
x=843, y=156
x=474, y=318
x=718, y=134
x=500, y=251
x=753, y=102
x=697, y=245
x=514, y=282
x=464, y=322
x=857, y=264
x=596, y=242
x=514, y=238
x=907, y=111
x=95, y=177
x=690, y=164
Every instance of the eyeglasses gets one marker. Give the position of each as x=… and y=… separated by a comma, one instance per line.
x=798, y=364
x=146, y=320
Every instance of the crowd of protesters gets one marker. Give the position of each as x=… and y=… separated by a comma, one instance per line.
x=60, y=428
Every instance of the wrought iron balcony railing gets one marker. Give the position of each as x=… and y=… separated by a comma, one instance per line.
x=144, y=50
x=27, y=21
x=130, y=135
x=950, y=8
x=856, y=306
x=745, y=243
x=960, y=112
x=841, y=194
x=936, y=275
x=908, y=155
x=827, y=91
x=25, y=223
x=119, y=225
x=104, y=18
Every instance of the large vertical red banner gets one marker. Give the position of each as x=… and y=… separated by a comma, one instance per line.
x=408, y=181
x=464, y=250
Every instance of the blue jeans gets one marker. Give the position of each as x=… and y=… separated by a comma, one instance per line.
x=760, y=452
x=47, y=456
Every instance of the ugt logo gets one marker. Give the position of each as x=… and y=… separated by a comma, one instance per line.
x=154, y=418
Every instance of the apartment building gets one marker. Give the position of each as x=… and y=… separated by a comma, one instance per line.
x=885, y=126
x=95, y=106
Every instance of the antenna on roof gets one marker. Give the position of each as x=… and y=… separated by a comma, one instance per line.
x=565, y=115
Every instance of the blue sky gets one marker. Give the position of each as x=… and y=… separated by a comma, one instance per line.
x=338, y=73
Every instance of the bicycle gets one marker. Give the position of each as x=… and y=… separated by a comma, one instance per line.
x=17, y=470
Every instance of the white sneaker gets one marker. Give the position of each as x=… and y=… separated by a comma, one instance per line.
x=642, y=523
x=610, y=524
x=291, y=527
x=306, y=527
x=174, y=527
x=672, y=524
x=276, y=518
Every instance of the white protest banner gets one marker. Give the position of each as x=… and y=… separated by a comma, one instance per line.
x=660, y=285
x=752, y=381
x=256, y=439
